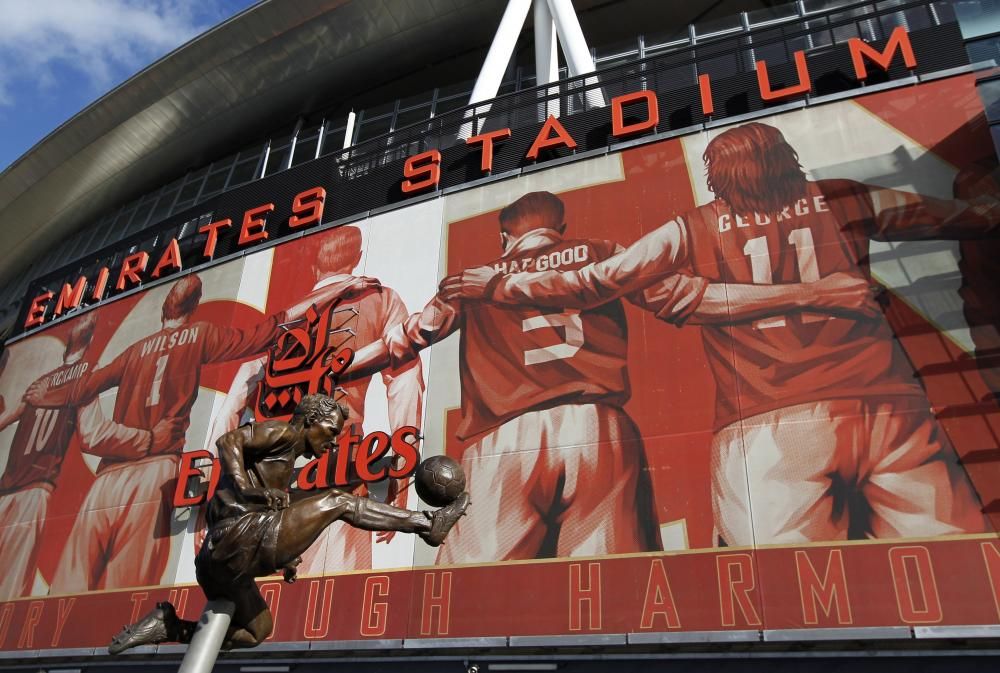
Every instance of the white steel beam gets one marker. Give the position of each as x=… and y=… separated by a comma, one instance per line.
x=555, y=21
x=497, y=58
x=574, y=46
x=502, y=48
x=546, y=56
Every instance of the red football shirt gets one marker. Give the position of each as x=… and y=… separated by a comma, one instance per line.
x=801, y=357
x=158, y=376
x=370, y=316
x=519, y=359
x=357, y=322
x=42, y=436
x=786, y=359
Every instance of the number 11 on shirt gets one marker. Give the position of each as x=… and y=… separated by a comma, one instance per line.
x=760, y=268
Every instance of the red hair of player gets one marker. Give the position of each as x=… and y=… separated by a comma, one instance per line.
x=183, y=298
x=754, y=169
x=81, y=333
x=340, y=252
x=534, y=210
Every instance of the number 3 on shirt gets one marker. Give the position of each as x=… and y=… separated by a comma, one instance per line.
x=760, y=268
x=154, y=391
x=570, y=321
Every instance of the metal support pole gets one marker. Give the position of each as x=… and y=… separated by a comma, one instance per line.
x=257, y=175
x=349, y=129
x=546, y=58
x=574, y=46
x=292, y=143
x=320, y=139
x=208, y=637
x=745, y=21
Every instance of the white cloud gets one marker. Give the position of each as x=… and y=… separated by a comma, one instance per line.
x=105, y=41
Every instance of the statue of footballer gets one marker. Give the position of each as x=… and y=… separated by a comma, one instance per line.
x=254, y=529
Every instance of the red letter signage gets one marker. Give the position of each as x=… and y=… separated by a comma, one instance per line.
x=545, y=139
x=486, y=141
x=736, y=586
x=422, y=171
x=804, y=85
x=828, y=594
x=101, y=284
x=618, y=127
x=436, y=601
x=36, y=314
x=375, y=614
x=705, y=89
x=185, y=472
x=71, y=296
x=899, y=39
x=588, y=592
x=659, y=601
x=912, y=569
x=254, y=225
x=131, y=268
x=170, y=261
x=212, y=229
x=307, y=208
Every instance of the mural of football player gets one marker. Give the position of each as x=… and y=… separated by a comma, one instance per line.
x=369, y=317
x=121, y=535
x=37, y=451
x=820, y=423
x=560, y=470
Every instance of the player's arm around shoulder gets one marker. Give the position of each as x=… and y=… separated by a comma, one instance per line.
x=9, y=415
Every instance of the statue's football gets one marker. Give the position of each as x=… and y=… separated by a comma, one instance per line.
x=439, y=480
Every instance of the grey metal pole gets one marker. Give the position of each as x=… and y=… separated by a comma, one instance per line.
x=207, y=640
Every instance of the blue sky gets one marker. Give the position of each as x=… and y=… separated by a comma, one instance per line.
x=58, y=56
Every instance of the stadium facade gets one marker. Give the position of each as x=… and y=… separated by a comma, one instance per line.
x=726, y=379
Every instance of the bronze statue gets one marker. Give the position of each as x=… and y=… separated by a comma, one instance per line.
x=254, y=529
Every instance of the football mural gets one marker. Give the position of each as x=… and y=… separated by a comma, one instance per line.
x=740, y=379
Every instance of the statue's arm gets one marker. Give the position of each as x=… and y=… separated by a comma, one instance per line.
x=249, y=442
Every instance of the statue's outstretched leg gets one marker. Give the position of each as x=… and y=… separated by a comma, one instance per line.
x=160, y=625
x=304, y=520
x=251, y=623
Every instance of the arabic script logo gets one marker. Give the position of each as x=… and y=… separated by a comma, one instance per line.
x=307, y=358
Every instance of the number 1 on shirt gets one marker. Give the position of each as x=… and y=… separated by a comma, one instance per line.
x=154, y=391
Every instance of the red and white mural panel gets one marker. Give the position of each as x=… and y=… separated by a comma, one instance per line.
x=743, y=379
